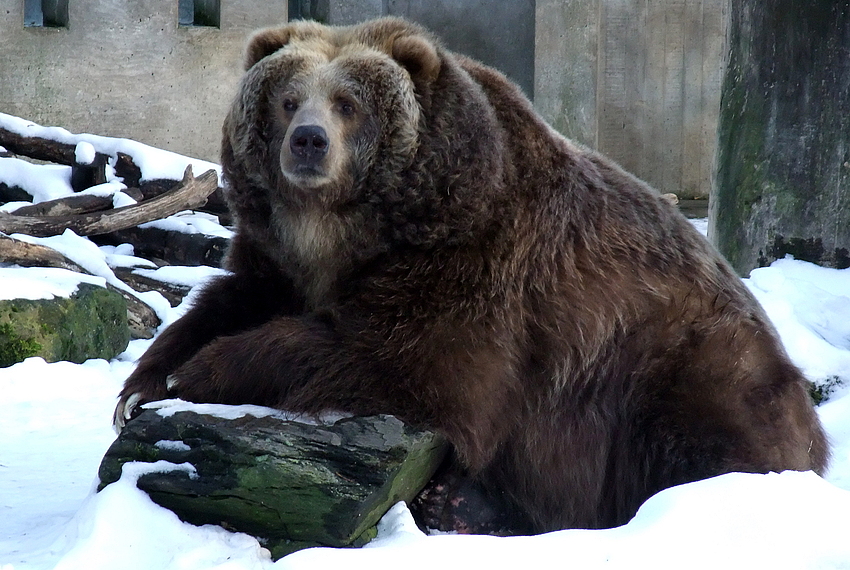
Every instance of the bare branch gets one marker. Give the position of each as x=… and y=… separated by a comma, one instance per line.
x=190, y=193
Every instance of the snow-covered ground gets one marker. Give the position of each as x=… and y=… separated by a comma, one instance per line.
x=55, y=425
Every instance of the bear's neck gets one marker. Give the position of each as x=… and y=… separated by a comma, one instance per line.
x=319, y=248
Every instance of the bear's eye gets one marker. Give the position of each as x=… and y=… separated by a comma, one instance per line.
x=346, y=108
x=290, y=106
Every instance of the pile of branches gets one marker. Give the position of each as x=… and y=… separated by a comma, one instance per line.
x=95, y=217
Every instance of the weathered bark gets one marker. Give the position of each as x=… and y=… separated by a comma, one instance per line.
x=85, y=176
x=33, y=255
x=37, y=147
x=172, y=292
x=141, y=319
x=190, y=193
x=169, y=247
x=290, y=484
x=13, y=194
x=783, y=174
x=127, y=170
x=68, y=206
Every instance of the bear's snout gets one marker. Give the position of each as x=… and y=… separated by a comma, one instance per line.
x=309, y=144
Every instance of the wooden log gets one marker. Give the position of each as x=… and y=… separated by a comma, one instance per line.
x=68, y=206
x=190, y=193
x=33, y=255
x=291, y=484
x=37, y=147
x=64, y=153
x=13, y=194
x=166, y=247
x=127, y=170
x=173, y=292
x=86, y=175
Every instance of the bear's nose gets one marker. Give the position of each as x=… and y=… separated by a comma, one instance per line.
x=309, y=143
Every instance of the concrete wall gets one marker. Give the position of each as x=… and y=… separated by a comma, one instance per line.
x=637, y=79
x=124, y=68
x=498, y=32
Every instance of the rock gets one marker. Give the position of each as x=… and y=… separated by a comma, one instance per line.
x=290, y=484
x=91, y=323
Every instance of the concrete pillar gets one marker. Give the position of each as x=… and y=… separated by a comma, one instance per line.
x=783, y=173
x=565, y=62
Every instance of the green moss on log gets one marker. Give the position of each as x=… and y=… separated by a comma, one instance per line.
x=289, y=484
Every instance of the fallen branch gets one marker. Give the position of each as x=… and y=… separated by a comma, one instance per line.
x=190, y=193
x=68, y=206
x=141, y=319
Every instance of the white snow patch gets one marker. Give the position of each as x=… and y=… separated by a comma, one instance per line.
x=182, y=275
x=42, y=282
x=172, y=445
x=701, y=224
x=123, y=256
x=154, y=163
x=167, y=408
x=84, y=153
x=191, y=222
x=810, y=307
x=41, y=181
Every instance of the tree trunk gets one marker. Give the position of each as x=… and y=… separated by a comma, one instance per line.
x=783, y=174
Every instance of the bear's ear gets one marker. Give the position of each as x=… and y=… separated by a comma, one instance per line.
x=265, y=42
x=419, y=57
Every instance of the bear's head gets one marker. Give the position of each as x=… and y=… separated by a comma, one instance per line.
x=374, y=122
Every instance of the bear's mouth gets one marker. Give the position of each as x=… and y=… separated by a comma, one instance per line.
x=306, y=175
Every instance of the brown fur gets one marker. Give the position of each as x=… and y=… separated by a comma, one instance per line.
x=455, y=262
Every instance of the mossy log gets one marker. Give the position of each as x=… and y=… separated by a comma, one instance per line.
x=290, y=484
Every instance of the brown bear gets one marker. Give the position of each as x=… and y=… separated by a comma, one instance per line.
x=413, y=239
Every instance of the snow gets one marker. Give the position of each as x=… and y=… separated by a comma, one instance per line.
x=190, y=222
x=43, y=182
x=84, y=153
x=167, y=408
x=55, y=426
x=155, y=163
x=178, y=275
x=42, y=282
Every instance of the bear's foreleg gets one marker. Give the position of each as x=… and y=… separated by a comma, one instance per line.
x=313, y=364
x=227, y=305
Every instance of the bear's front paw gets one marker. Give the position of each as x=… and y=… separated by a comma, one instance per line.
x=202, y=379
x=130, y=405
x=127, y=409
x=145, y=385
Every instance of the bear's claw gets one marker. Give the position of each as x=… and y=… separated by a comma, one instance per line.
x=125, y=410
